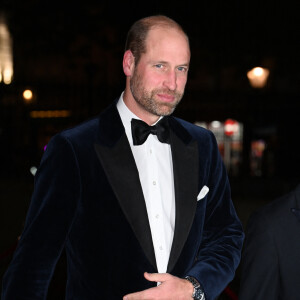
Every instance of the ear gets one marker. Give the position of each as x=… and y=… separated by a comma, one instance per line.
x=128, y=63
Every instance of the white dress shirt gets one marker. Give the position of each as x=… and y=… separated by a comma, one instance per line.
x=154, y=163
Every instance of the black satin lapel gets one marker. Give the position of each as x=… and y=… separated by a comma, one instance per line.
x=119, y=166
x=185, y=165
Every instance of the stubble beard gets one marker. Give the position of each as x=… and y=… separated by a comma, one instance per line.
x=146, y=99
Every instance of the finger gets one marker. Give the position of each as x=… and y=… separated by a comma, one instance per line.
x=156, y=277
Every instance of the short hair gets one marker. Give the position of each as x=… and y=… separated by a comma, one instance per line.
x=137, y=34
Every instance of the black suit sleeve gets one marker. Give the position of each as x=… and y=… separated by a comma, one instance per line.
x=259, y=264
x=49, y=219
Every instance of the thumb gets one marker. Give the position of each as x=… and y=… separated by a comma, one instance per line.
x=156, y=277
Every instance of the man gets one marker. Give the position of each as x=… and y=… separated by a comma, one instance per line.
x=125, y=206
x=271, y=259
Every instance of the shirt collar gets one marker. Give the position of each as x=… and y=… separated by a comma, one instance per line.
x=126, y=115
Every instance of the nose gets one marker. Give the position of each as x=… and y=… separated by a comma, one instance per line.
x=171, y=80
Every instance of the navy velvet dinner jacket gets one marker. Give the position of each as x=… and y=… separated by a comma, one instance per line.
x=88, y=199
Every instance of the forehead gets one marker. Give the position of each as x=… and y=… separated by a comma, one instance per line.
x=164, y=42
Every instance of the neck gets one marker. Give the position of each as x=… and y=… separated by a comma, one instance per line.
x=137, y=109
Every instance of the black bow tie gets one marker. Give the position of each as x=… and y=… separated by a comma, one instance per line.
x=140, y=131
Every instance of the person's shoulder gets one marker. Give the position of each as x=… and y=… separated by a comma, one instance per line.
x=193, y=129
x=85, y=128
x=278, y=209
x=281, y=202
x=89, y=128
x=81, y=134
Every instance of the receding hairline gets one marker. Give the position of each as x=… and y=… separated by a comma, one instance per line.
x=138, y=33
x=161, y=21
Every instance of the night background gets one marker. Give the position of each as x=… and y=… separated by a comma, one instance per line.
x=69, y=54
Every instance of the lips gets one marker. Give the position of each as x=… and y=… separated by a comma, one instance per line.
x=166, y=97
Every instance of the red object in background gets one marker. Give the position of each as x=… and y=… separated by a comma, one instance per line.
x=231, y=127
x=230, y=293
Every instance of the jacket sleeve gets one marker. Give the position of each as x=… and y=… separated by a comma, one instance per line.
x=49, y=219
x=259, y=267
x=220, y=249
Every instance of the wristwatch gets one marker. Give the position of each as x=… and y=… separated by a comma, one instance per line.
x=198, y=293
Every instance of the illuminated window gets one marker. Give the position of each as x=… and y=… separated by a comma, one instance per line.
x=6, y=56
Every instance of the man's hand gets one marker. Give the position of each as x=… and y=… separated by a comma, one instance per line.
x=171, y=288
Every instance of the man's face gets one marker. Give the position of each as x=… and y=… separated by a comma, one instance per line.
x=158, y=80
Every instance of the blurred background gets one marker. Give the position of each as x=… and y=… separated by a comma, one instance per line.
x=61, y=63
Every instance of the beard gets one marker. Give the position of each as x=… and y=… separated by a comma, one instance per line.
x=146, y=98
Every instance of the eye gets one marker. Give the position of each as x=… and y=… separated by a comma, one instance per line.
x=159, y=66
x=182, y=69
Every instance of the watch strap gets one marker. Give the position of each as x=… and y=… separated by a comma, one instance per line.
x=198, y=293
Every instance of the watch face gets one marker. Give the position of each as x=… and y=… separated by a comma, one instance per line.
x=199, y=294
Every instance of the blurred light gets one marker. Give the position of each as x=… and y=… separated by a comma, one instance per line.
x=45, y=147
x=6, y=56
x=257, y=148
x=258, y=77
x=33, y=170
x=216, y=124
x=231, y=127
x=201, y=124
x=7, y=75
x=27, y=95
x=41, y=114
